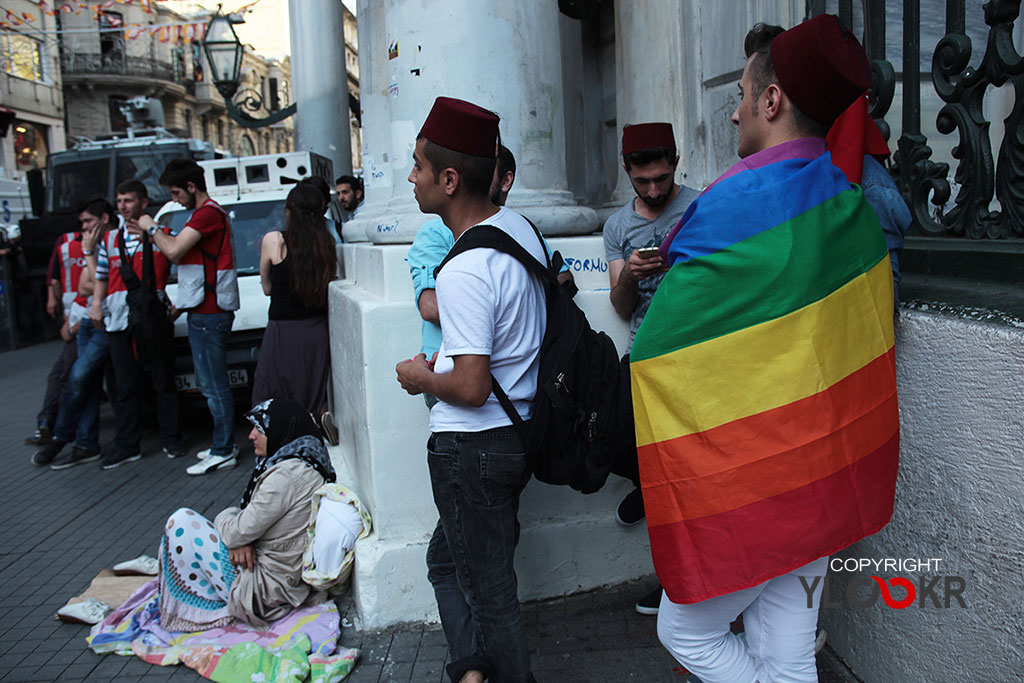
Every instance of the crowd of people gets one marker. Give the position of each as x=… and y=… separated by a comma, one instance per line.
x=118, y=317
x=764, y=441
x=111, y=279
x=758, y=373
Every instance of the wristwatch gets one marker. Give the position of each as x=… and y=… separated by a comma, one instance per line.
x=151, y=230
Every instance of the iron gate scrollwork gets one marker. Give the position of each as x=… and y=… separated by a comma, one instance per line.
x=962, y=88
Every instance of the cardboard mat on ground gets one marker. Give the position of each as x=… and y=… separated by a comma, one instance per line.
x=113, y=590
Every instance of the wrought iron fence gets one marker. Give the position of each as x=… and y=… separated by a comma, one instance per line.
x=116, y=63
x=962, y=86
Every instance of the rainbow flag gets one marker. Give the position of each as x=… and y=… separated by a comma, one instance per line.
x=764, y=381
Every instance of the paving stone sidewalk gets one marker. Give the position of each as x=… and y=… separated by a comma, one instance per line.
x=59, y=529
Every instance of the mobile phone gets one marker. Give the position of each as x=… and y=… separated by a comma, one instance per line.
x=647, y=252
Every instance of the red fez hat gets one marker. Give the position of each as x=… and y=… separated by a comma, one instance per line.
x=647, y=136
x=821, y=67
x=462, y=127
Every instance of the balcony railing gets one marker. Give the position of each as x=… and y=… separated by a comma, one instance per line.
x=961, y=76
x=116, y=63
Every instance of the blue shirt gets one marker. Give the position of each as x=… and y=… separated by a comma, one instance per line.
x=881, y=193
x=432, y=243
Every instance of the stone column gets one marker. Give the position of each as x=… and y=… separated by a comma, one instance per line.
x=679, y=61
x=316, y=29
x=503, y=56
x=654, y=79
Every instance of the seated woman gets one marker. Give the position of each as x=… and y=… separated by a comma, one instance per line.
x=247, y=564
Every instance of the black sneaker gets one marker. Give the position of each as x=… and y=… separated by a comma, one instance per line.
x=77, y=456
x=329, y=429
x=631, y=509
x=117, y=458
x=47, y=454
x=173, y=452
x=649, y=604
x=42, y=437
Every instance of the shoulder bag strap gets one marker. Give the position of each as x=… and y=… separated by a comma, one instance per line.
x=131, y=280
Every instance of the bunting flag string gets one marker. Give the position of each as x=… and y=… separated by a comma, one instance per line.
x=186, y=32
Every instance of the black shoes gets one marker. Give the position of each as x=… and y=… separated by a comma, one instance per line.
x=649, y=604
x=77, y=456
x=117, y=458
x=42, y=437
x=329, y=429
x=47, y=454
x=631, y=509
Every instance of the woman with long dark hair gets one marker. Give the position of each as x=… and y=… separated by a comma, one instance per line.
x=296, y=266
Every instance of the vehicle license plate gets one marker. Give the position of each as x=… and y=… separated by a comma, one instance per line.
x=238, y=377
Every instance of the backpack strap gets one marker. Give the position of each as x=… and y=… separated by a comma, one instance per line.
x=210, y=258
x=128, y=276
x=490, y=237
x=510, y=410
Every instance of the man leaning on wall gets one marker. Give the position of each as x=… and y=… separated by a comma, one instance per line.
x=764, y=381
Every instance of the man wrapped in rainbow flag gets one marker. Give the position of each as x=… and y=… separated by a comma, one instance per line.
x=764, y=380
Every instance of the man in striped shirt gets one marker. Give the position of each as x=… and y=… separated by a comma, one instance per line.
x=119, y=286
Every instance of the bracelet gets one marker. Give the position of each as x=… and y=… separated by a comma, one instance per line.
x=87, y=252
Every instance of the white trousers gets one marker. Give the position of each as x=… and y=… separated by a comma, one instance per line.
x=779, y=628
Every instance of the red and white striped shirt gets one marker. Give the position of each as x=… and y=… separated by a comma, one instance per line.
x=108, y=267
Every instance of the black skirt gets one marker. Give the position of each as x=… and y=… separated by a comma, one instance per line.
x=295, y=363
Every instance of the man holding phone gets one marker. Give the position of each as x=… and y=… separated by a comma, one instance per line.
x=632, y=236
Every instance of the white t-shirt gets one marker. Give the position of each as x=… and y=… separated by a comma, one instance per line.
x=490, y=305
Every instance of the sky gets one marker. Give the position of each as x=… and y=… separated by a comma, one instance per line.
x=266, y=22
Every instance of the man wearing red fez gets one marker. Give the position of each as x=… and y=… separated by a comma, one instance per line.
x=635, y=269
x=493, y=315
x=763, y=375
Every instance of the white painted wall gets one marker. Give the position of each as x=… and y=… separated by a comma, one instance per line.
x=960, y=497
x=570, y=542
x=505, y=57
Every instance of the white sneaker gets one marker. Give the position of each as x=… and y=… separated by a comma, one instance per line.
x=91, y=611
x=143, y=565
x=205, y=453
x=212, y=463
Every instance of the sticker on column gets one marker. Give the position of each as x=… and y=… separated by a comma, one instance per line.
x=377, y=175
x=393, y=90
x=393, y=50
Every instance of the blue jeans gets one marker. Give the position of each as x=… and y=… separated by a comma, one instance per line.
x=208, y=337
x=78, y=416
x=477, y=478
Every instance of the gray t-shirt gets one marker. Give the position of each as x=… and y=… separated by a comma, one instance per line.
x=626, y=230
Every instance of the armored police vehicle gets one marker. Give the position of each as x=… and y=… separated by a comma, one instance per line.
x=252, y=190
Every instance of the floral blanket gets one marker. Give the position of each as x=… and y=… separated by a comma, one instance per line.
x=300, y=647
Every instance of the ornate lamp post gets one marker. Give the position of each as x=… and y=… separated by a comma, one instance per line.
x=224, y=54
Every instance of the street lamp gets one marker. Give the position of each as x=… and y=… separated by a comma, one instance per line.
x=224, y=54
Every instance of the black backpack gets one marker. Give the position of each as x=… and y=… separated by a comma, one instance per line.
x=148, y=322
x=577, y=426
